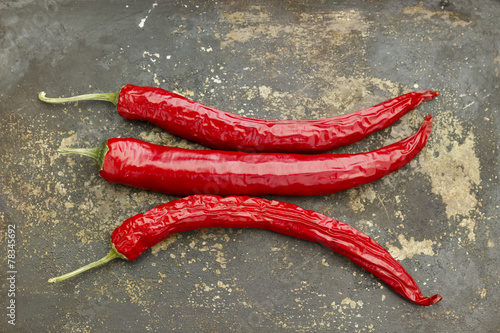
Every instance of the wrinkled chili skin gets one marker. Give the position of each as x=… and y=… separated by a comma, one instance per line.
x=226, y=131
x=142, y=231
x=184, y=172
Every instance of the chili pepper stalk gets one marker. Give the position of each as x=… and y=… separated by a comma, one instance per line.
x=142, y=231
x=107, y=97
x=228, y=131
x=112, y=254
x=97, y=154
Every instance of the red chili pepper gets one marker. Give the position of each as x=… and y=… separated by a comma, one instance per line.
x=226, y=131
x=183, y=172
x=142, y=231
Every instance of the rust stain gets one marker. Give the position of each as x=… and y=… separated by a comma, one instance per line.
x=421, y=13
x=410, y=248
x=454, y=169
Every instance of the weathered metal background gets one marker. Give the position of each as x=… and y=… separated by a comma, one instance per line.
x=270, y=59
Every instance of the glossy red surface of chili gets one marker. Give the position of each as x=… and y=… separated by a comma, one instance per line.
x=142, y=231
x=226, y=131
x=183, y=172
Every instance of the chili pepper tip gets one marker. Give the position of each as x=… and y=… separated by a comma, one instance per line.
x=427, y=301
x=429, y=94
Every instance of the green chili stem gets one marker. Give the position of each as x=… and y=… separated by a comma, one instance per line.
x=108, y=97
x=113, y=254
x=97, y=153
x=90, y=152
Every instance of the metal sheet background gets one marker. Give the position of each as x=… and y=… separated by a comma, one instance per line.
x=268, y=59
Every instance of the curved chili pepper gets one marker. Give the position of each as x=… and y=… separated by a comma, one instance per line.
x=183, y=172
x=142, y=231
x=226, y=131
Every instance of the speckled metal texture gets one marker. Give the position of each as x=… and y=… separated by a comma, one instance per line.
x=265, y=59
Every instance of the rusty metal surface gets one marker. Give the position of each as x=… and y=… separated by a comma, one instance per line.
x=276, y=60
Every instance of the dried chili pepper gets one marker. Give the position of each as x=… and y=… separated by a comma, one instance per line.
x=142, y=231
x=183, y=172
x=226, y=131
